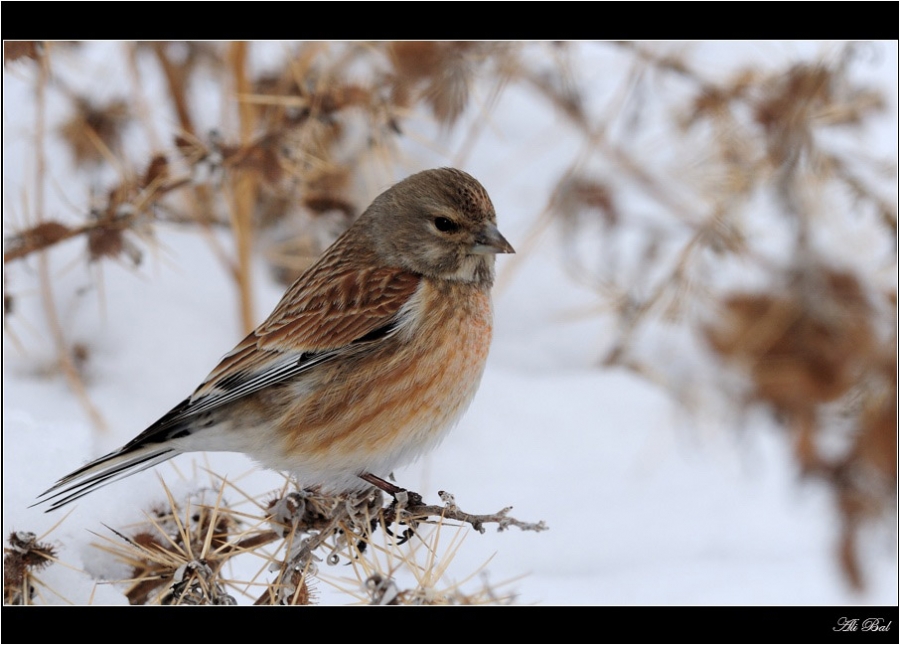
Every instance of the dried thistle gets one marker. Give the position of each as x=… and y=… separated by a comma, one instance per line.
x=425, y=561
x=38, y=237
x=438, y=73
x=94, y=131
x=21, y=559
x=802, y=348
x=16, y=49
x=345, y=526
x=177, y=555
x=197, y=585
x=580, y=201
x=157, y=172
x=808, y=346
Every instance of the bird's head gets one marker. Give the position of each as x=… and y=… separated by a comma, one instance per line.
x=439, y=223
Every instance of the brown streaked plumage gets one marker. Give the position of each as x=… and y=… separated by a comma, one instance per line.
x=369, y=358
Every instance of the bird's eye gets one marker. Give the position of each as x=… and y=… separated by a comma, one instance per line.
x=445, y=225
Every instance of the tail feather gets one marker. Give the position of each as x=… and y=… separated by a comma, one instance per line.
x=105, y=470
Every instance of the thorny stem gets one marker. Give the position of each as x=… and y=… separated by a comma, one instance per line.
x=244, y=188
x=450, y=511
x=300, y=562
x=356, y=516
x=141, y=104
x=176, y=87
x=19, y=252
x=65, y=358
x=202, y=203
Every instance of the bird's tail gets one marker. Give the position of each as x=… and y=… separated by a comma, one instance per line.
x=105, y=470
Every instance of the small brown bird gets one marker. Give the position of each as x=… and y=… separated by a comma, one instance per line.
x=371, y=356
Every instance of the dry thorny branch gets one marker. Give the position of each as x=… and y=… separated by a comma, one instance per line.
x=818, y=343
x=21, y=560
x=292, y=159
x=179, y=555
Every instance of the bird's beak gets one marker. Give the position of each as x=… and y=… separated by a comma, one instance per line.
x=490, y=241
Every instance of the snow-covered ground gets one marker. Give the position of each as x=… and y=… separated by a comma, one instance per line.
x=646, y=503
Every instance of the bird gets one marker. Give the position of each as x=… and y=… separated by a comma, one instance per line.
x=367, y=361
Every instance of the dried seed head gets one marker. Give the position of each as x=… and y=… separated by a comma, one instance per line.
x=444, y=71
x=16, y=49
x=92, y=130
x=23, y=556
x=105, y=241
x=42, y=235
x=800, y=351
x=157, y=171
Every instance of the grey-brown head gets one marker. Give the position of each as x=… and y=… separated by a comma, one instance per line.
x=439, y=223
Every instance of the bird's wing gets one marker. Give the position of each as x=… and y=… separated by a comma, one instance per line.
x=325, y=315
x=328, y=315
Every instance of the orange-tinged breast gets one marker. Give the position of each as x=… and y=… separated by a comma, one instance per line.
x=387, y=406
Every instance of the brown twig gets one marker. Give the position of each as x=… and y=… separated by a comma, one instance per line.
x=244, y=187
x=63, y=354
x=450, y=511
x=48, y=233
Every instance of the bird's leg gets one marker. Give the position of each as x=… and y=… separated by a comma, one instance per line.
x=386, y=486
x=406, y=497
x=402, y=496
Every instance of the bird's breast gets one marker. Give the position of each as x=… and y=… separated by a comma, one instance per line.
x=384, y=407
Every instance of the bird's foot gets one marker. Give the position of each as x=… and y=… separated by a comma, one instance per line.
x=402, y=497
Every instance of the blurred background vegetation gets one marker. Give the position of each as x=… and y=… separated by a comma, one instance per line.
x=713, y=207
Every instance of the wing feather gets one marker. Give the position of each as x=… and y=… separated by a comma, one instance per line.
x=319, y=318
